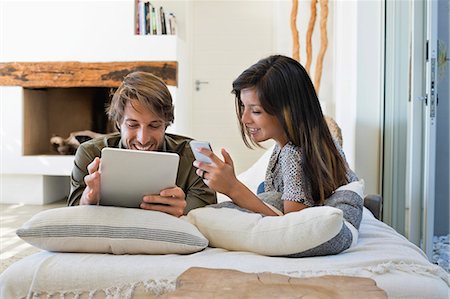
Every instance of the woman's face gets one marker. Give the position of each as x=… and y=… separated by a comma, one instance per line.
x=141, y=129
x=260, y=125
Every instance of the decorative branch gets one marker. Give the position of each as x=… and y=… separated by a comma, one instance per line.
x=309, y=33
x=295, y=40
x=323, y=42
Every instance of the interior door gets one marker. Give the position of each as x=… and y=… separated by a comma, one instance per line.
x=416, y=103
x=410, y=120
x=421, y=145
x=227, y=37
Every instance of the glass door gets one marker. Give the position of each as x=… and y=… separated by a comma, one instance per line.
x=410, y=119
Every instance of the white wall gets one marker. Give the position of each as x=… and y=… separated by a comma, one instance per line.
x=369, y=93
x=283, y=44
x=352, y=81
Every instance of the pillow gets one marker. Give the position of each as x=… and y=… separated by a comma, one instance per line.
x=102, y=229
x=356, y=187
x=293, y=233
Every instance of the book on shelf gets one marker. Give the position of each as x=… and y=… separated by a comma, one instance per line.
x=162, y=16
x=147, y=9
x=152, y=20
x=136, y=17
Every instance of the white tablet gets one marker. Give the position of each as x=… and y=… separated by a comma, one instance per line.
x=128, y=175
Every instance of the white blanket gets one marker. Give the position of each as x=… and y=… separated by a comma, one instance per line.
x=398, y=267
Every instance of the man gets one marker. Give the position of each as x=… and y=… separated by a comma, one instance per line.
x=142, y=110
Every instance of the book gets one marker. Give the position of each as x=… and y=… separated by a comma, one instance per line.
x=153, y=21
x=147, y=17
x=163, y=20
x=173, y=24
x=136, y=17
x=167, y=23
x=142, y=17
x=158, y=21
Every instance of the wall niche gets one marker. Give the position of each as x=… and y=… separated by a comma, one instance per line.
x=49, y=112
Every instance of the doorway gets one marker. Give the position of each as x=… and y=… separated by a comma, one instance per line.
x=416, y=110
x=227, y=37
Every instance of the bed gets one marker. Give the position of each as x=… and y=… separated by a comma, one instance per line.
x=396, y=265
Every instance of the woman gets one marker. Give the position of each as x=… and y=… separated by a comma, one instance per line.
x=275, y=99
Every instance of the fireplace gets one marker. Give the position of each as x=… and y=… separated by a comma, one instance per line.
x=49, y=112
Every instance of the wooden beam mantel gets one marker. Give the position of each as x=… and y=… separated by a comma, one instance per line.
x=81, y=74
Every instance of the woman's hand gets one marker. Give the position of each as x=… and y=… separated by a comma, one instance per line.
x=218, y=175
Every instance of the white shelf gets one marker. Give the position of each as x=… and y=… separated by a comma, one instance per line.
x=39, y=165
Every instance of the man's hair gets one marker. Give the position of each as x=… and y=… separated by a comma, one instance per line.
x=286, y=91
x=149, y=90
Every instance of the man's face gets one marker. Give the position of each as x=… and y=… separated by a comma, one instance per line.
x=141, y=129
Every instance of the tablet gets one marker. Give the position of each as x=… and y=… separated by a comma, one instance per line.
x=128, y=175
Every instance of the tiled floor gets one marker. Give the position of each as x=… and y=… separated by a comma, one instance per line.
x=12, y=248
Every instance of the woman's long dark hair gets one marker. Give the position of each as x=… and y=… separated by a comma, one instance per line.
x=286, y=91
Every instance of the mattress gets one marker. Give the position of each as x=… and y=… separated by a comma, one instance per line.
x=399, y=267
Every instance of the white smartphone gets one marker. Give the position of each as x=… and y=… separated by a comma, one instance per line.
x=199, y=156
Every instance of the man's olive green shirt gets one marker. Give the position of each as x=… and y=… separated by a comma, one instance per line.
x=198, y=194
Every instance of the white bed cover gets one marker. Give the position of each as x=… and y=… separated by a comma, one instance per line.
x=398, y=267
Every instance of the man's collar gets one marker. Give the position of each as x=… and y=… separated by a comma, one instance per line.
x=164, y=147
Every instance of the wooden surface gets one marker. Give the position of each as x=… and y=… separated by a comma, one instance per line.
x=222, y=283
x=81, y=74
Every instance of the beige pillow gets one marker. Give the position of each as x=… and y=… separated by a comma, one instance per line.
x=114, y=230
x=293, y=233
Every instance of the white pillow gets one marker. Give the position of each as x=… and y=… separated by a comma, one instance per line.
x=357, y=186
x=254, y=175
x=114, y=230
x=292, y=233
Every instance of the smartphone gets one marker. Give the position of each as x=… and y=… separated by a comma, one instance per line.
x=199, y=156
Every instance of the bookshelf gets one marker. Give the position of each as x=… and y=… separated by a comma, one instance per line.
x=151, y=18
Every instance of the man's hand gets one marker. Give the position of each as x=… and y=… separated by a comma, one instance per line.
x=91, y=194
x=171, y=201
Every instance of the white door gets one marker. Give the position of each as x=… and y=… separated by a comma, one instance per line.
x=420, y=177
x=227, y=37
x=414, y=166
